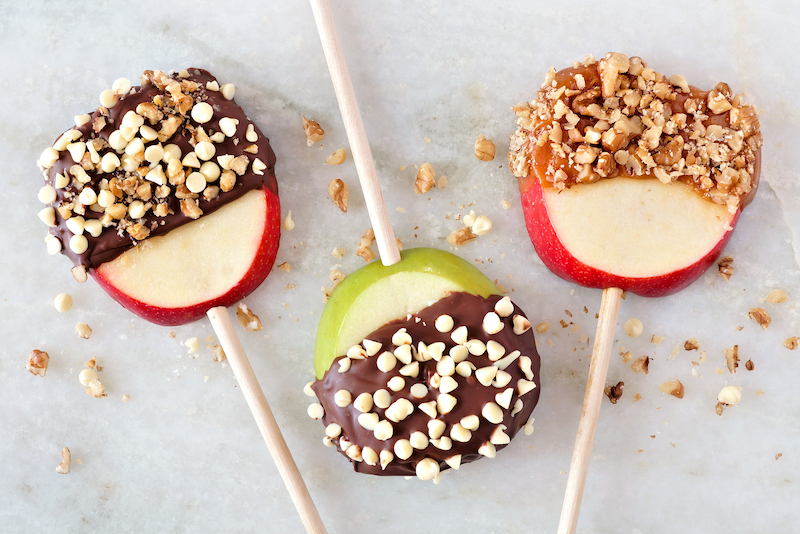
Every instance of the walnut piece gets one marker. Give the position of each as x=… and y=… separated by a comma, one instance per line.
x=777, y=296
x=83, y=330
x=726, y=267
x=691, y=344
x=218, y=352
x=249, y=320
x=339, y=193
x=760, y=316
x=641, y=365
x=614, y=393
x=791, y=343
x=95, y=388
x=313, y=130
x=484, y=149
x=38, y=361
x=673, y=387
x=66, y=460
x=363, y=249
x=337, y=157
x=461, y=236
x=425, y=179
x=732, y=358
x=336, y=278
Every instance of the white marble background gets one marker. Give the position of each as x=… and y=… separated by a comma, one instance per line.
x=184, y=455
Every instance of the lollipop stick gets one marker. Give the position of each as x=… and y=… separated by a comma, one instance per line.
x=598, y=368
x=248, y=382
x=365, y=165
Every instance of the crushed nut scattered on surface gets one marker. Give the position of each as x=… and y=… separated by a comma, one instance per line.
x=627, y=356
x=95, y=389
x=760, y=316
x=337, y=157
x=126, y=398
x=791, y=343
x=285, y=267
x=777, y=296
x=336, y=277
x=673, y=387
x=732, y=358
x=218, y=352
x=425, y=179
x=92, y=363
x=339, y=193
x=726, y=267
x=249, y=320
x=38, y=361
x=614, y=393
x=484, y=149
x=542, y=327
x=66, y=460
x=83, y=330
x=363, y=249
x=641, y=365
x=691, y=344
x=338, y=252
x=313, y=131
x=656, y=340
x=461, y=236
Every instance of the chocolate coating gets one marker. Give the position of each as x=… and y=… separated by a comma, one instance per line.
x=111, y=243
x=364, y=376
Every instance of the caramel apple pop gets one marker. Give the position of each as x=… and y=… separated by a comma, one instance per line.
x=422, y=364
x=166, y=195
x=629, y=181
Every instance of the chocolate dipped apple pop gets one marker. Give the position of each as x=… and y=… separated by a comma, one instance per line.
x=126, y=184
x=422, y=364
x=166, y=195
x=629, y=181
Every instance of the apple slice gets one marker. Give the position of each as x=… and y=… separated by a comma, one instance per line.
x=641, y=235
x=215, y=261
x=375, y=295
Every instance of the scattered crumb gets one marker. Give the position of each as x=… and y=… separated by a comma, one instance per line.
x=400, y=209
x=83, y=330
x=691, y=344
x=484, y=149
x=732, y=358
x=641, y=365
x=461, y=236
x=337, y=157
x=363, y=249
x=126, y=398
x=719, y=371
x=749, y=365
x=218, y=352
x=336, y=278
x=505, y=204
x=172, y=334
x=760, y=316
x=759, y=392
x=542, y=327
x=290, y=286
x=726, y=267
x=91, y=364
x=778, y=455
x=637, y=398
x=286, y=267
x=673, y=387
x=425, y=179
x=614, y=393
x=95, y=388
x=338, y=252
x=675, y=352
x=656, y=340
x=313, y=131
x=249, y=320
x=627, y=356
x=288, y=223
x=728, y=396
x=777, y=296
x=791, y=343
x=339, y=193
x=38, y=361
x=66, y=458
x=441, y=183
x=501, y=287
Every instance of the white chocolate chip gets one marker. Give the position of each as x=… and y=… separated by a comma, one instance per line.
x=492, y=413
x=528, y=428
x=436, y=428
x=47, y=216
x=53, y=245
x=429, y=408
x=517, y=407
x=459, y=335
x=446, y=366
x=419, y=391
x=454, y=461
x=87, y=196
x=228, y=90
x=459, y=353
x=210, y=171
x=354, y=452
x=77, y=150
x=148, y=133
x=412, y=369
x=418, y=440
x=154, y=153
x=49, y=157
x=333, y=430
x=86, y=376
x=251, y=134
x=225, y=161
x=504, y=307
x=464, y=369
x=396, y=383
x=501, y=380
x=356, y=352
x=136, y=209
x=460, y=434
x=383, y=430
x=156, y=175
x=492, y=323
x=525, y=366
x=444, y=323
x=288, y=223
x=494, y=350
x=524, y=386
x=80, y=120
x=372, y=347
x=386, y=457
x=202, y=112
x=508, y=360
x=634, y=327
x=482, y=225
x=258, y=167
x=62, y=181
x=228, y=126
x=476, y=347
x=386, y=362
x=368, y=421
x=105, y=198
x=327, y=442
x=401, y=337
x=485, y=375
x=205, y=150
x=504, y=399
x=399, y=410
x=131, y=119
x=521, y=325
x=445, y=403
x=110, y=162
x=499, y=437
x=730, y=395
x=470, y=422
x=196, y=182
x=447, y=384
x=121, y=86
x=344, y=365
x=108, y=98
x=403, y=449
x=403, y=353
x=316, y=411
x=382, y=399
x=171, y=151
x=364, y=402
x=63, y=302
x=191, y=160
x=76, y=224
x=342, y=398
x=488, y=450
x=444, y=443
x=94, y=227
x=212, y=85
x=78, y=244
x=435, y=351
x=308, y=391
x=134, y=147
x=47, y=194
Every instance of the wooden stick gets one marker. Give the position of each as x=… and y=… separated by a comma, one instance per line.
x=598, y=368
x=365, y=165
x=248, y=383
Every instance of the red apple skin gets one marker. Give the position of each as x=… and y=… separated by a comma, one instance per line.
x=556, y=257
x=260, y=268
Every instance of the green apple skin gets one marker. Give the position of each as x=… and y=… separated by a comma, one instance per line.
x=376, y=294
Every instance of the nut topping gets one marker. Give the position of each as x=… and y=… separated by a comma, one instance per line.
x=38, y=361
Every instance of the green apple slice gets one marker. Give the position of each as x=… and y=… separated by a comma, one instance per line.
x=375, y=295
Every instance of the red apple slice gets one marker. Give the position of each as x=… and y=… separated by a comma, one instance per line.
x=638, y=234
x=214, y=261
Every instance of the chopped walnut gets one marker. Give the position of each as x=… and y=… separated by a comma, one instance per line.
x=792, y=342
x=285, y=267
x=338, y=252
x=777, y=296
x=673, y=387
x=363, y=249
x=691, y=344
x=66, y=460
x=83, y=330
x=249, y=320
x=641, y=365
x=218, y=352
x=614, y=393
x=749, y=365
x=627, y=356
x=336, y=277
x=656, y=340
x=337, y=157
x=484, y=149
x=239, y=164
x=726, y=267
x=95, y=388
x=38, y=361
x=732, y=358
x=760, y=316
x=542, y=327
x=313, y=130
x=461, y=236
x=91, y=363
x=425, y=179
x=339, y=193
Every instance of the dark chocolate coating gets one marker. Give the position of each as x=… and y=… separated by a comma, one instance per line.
x=364, y=376
x=110, y=244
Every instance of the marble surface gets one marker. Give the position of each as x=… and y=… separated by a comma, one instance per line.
x=184, y=455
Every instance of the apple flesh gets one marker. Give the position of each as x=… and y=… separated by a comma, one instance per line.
x=214, y=261
x=638, y=234
x=376, y=294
